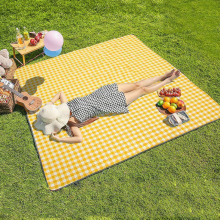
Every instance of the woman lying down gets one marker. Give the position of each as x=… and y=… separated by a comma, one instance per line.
x=110, y=98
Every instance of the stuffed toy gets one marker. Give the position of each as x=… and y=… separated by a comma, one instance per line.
x=5, y=62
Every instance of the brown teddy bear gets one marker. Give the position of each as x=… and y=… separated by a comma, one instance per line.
x=5, y=62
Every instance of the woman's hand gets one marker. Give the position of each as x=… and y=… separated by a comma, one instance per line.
x=55, y=137
x=77, y=136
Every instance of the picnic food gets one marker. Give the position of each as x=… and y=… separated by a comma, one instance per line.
x=4, y=92
x=181, y=116
x=171, y=109
x=170, y=92
x=40, y=35
x=178, y=118
x=166, y=99
x=33, y=42
x=160, y=103
x=37, y=38
x=174, y=104
x=169, y=105
x=180, y=104
x=166, y=105
x=173, y=100
x=32, y=34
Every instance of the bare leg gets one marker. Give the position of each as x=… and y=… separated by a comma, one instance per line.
x=133, y=95
x=150, y=81
x=127, y=87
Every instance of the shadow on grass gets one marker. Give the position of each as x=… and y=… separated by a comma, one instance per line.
x=20, y=110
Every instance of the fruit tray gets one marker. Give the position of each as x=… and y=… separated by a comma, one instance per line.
x=176, y=119
x=169, y=92
x=166, y=112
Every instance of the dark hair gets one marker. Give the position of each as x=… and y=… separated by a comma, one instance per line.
x=70, y=123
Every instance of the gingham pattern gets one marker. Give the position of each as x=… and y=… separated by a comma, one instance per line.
x=108, y=140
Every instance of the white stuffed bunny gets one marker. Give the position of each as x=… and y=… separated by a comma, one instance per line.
x=5, y=62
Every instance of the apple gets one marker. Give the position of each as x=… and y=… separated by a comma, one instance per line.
x=40, y=35
x=37, y=38
x=33, y=42
x=180, y=104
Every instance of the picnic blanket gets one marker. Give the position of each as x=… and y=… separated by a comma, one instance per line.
x=109, y=140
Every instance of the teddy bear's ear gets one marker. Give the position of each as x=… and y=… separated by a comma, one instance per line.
x=4, y=53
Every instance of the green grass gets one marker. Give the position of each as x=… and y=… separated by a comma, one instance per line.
x=176, y=180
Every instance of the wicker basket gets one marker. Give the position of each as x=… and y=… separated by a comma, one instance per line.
x=9, y=72
x=9, y=106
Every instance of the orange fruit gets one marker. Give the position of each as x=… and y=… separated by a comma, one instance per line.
x=173, y=100
x=180, y=104
x=166, y=105
x=171, y=109
x=166, y=99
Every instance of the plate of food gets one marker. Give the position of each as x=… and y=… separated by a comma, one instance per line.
x=170, y=105
x=169, y=92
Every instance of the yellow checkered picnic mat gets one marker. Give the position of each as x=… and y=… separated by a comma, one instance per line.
x=108, y=140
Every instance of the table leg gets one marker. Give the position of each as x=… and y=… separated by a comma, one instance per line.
x=23, y=59
x=15, y=56
x=14, y=52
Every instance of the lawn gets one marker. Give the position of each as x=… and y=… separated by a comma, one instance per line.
x=176, y=180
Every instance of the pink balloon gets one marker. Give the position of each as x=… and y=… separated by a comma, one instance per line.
x=53, y=40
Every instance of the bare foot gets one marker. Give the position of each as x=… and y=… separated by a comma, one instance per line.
x=167, y=75
x=174, y=75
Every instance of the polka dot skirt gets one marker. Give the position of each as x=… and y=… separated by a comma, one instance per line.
x=107, y=99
